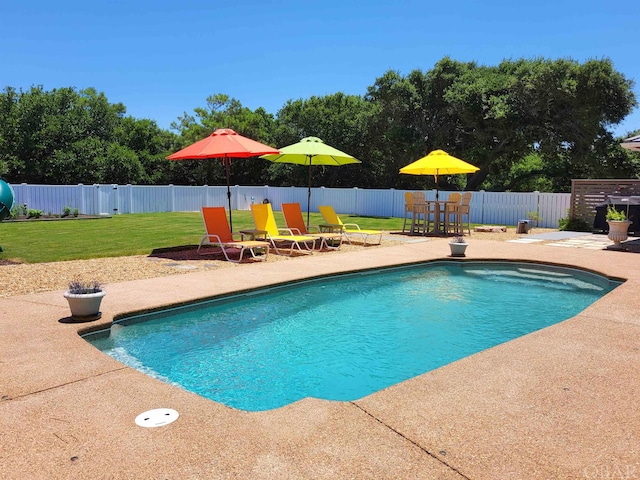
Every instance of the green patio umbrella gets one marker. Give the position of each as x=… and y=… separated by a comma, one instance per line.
x=311, y=151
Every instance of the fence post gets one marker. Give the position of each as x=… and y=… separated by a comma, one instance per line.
x=172, y=197
x=129, y=198
x=96, y=198
x=114, y=192
x=25, y=199
x=355, y=201
x=80, y=198
x=393, y=201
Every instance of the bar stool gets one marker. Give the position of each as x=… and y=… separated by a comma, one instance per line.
x=464, y=209
x=420, y=218
x=451, y=210
x=408, y=209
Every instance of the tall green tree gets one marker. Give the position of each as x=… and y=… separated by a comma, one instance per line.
x=56, y=136
x=558, y=109
x=223, y=112
x=339, y=120
x=527, y=123
x=412, y=118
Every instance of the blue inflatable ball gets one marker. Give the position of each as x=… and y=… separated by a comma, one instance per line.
x=6, y=199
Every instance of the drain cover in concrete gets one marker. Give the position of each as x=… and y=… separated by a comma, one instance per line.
x=158, y=417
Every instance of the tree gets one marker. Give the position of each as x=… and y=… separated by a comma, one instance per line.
x=339, y=120
x=47, y=131
x=558, y=109
x=412, y=118
x=223, y=112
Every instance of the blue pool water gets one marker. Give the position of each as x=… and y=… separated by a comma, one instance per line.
x=345, y=337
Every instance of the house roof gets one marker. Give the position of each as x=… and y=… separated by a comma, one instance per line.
x=632, y=143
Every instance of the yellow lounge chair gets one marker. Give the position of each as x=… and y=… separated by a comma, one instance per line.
x=334, y=223
x=295, y=223
x=218, y=234
x=265, y=221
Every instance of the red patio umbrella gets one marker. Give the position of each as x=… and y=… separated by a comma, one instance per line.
x=226, y=144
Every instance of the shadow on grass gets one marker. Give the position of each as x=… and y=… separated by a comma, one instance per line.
x=190, y=252
x=182, y=252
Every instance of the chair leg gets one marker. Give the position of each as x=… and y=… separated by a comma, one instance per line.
x=429, y=219
x=406, y=216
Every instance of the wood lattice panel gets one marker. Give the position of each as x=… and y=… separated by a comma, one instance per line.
x=587, y=194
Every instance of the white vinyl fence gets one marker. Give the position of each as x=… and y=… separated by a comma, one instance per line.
x=488, y=208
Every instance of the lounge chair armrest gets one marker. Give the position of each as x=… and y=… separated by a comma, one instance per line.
x=352, y=225
x=215, y=237
x=286, y=231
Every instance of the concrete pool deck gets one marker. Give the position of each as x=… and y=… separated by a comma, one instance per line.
x=558, y=403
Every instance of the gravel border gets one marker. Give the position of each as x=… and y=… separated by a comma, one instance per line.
x=24, y=278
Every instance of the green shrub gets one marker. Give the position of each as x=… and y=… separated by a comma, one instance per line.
x=534, y=217
x=33, y=213
x=574, y=225
x=66, y=211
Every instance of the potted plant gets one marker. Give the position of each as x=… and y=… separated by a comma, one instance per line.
x=618, y=225
x=84, y=299
x=534, y=217
x=458, y=246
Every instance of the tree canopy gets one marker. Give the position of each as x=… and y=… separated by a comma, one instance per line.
x=529, y=124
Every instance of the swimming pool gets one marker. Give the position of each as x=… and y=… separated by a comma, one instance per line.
x=344, y=337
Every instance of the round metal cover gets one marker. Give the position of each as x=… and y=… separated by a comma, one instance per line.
x=158, y=417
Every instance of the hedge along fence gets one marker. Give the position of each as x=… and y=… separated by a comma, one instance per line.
x=489, y=208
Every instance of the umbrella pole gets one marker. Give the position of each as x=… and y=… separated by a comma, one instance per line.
x=226, y=166
x=309, y=192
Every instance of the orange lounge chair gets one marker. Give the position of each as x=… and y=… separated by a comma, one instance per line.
x=295, y=223
x=266, y=222
x=334, y=223
x=218, y=234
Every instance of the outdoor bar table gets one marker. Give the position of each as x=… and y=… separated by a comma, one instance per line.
x=441, y=209
x=439, y=221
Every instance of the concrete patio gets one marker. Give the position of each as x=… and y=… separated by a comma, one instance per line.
x=560, y=403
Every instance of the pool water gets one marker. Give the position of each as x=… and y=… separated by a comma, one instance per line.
x=345, y=337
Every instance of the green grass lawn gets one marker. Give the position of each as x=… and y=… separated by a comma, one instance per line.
x=132, y=234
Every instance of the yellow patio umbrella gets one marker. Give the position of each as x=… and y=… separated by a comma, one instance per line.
x=438, y=163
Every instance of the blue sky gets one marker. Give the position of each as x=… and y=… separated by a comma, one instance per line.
x=164, y=58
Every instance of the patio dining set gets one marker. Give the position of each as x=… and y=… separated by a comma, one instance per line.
x=437, y=217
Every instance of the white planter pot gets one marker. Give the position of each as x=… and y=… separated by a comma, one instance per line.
x=618, y=231
x=458, y=249
x=85, y=305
